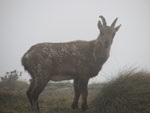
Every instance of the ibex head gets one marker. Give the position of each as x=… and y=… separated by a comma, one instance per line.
x=107, y=33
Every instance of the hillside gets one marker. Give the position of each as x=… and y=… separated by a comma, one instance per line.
x=129, y=92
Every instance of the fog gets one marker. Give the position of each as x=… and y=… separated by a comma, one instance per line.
x=24, y=23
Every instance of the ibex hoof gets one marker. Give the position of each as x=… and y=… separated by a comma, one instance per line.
x=84, y=107
x=74, y=106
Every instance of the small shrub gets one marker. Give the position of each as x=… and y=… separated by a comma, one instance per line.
x=9, y=80
x=8, y=84
x=128, y=93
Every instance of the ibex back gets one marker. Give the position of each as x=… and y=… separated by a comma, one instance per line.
x=77, y=60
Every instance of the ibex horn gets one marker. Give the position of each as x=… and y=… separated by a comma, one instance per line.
x=114, y=22
x=103, y=20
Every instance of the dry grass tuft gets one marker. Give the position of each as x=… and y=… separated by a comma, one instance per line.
x=128, y=93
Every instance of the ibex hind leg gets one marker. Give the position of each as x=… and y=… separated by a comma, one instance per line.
x=30, y=94
x=39, y=86
x=32, y=82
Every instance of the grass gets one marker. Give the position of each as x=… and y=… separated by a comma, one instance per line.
x=56, y=98
x=127, y=93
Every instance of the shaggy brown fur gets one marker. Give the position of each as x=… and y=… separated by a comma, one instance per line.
x=77, y=60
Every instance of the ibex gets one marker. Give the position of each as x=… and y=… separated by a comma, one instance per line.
x=77, y=60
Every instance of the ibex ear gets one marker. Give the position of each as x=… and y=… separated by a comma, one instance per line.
x=117, y=28
x=99, y=25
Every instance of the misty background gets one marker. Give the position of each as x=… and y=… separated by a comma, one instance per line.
x=24, y=23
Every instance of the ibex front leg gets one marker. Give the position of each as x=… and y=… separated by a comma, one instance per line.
x=76, y=93
x=83, y=85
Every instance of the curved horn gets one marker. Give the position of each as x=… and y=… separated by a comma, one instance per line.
x=103, y=20
x=114, y=22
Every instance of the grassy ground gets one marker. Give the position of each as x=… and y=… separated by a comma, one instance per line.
x=56, y=98
x=127, y=93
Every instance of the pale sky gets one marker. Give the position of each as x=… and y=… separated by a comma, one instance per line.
x=24, y=23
